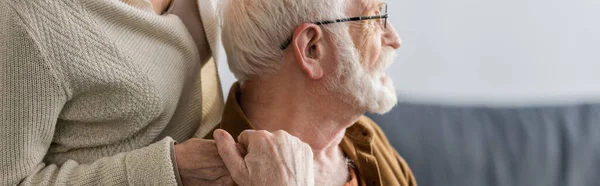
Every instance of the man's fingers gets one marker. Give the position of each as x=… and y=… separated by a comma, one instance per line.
x=249, y=136
x=243, y=138
x=242, y=149
x=231, y=156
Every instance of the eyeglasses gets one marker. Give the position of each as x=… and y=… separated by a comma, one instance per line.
x=382, y=22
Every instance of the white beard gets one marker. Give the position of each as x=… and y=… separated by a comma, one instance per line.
x=371, y=91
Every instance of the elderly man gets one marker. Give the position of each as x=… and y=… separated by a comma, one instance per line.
x=312, y=69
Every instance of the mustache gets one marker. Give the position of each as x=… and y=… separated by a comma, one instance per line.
x=386, y=58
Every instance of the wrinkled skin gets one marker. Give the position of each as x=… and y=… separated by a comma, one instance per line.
x=276, y=158
x=199, y=163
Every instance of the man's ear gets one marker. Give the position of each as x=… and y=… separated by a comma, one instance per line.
x=307, y=45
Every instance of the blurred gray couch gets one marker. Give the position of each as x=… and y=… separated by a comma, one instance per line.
x=481, y=146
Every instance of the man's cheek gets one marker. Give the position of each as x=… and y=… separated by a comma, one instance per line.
x=374, y=50
x=371, y=61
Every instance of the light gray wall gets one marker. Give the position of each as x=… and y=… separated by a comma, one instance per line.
x=494, y=52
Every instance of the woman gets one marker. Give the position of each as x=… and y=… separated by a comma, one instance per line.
x=98, y=91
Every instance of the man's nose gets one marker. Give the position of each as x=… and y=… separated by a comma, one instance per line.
x=390, y=37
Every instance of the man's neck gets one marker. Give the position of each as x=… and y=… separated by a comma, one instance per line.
x=306, y=111
x=316, y=120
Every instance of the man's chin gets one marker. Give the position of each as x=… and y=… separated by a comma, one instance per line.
x=385, y=102
x=386, y=96
x=382, y=97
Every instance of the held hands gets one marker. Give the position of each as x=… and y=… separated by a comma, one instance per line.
x=276, y=158
x=272, y=159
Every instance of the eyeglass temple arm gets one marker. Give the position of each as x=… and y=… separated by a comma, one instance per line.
x=385, y=16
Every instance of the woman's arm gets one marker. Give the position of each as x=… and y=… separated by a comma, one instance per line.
x=32, y=95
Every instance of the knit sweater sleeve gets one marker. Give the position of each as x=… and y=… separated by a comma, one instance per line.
x=31, y=98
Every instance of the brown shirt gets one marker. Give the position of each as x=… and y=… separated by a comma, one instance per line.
x=364, y=143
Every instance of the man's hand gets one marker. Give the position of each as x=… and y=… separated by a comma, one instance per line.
x=199, y=163
x=273, y=158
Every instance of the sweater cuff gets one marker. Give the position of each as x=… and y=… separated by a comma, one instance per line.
x=152, y=165
x=175, y=168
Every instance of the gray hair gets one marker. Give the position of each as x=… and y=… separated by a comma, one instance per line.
x=253, y=30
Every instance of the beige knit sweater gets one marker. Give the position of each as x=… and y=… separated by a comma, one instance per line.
x=95, y=92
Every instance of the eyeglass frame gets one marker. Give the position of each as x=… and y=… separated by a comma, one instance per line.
x=385, y=16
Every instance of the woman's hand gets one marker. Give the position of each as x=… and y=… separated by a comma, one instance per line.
x=199, y=163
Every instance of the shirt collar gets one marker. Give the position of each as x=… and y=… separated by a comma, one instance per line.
x=234, y=120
